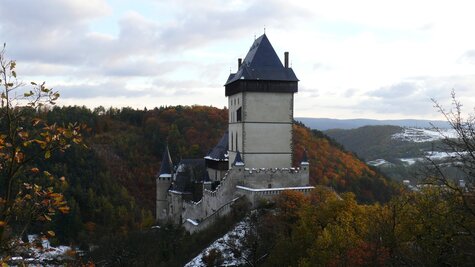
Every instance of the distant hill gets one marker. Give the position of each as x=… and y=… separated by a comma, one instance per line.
x=376, y=142
x=324, y=124
x=398, y=152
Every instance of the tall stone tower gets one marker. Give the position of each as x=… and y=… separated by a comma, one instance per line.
x=163, y=180
x=261, y=104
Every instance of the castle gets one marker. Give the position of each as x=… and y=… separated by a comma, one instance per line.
x=254, y=157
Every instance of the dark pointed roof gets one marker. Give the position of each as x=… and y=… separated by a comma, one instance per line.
x=238, y=160
x=166, y=169
x=262, y=63
x=188, y=172
x=304, y=158
x=220, y=151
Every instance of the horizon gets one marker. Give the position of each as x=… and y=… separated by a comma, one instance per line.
x=386, y=63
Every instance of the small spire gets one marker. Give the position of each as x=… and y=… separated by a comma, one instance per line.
x=166, y=169
x=238, y=160
x=264, y=29
x=304, y=158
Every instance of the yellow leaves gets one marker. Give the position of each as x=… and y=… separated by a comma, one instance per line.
x=64, y=209
x=47, y=174
x=2, y=224
x=35, y=121
x=35, y=170
x=41, y=143
x=47, y=154
x=19, y=156
x=50, y=233
x=23, y=135
x=45, y=217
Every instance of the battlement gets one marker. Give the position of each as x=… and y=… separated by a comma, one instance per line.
x=273, y=170
x=254, y=195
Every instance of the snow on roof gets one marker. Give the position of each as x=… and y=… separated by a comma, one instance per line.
x=195, y=223
x=274, y=189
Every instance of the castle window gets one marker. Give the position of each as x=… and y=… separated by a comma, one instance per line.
x=239, y=114
x=236, y=141
x=269, y=186
x=232, y=141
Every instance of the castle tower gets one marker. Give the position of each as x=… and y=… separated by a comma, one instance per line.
x=261, y=103
x=163, y=180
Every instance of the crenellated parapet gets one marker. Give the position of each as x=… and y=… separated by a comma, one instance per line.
x=274, y=177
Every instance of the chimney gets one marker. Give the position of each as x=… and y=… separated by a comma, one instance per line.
x=239, y=62
x=286, y=59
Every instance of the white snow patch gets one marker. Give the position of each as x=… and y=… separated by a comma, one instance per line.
x=439, y=155
x=192, y=222
x=378, y=162
x=224, y=244
x=419, y=135
x=39, y=255
x=274, y=188
x=410, y=161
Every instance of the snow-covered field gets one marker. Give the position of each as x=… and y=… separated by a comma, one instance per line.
x=225, y=245
x=40, y=255
x=378, y=162
x=419, y=135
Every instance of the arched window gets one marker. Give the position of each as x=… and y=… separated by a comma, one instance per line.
x=239, y=114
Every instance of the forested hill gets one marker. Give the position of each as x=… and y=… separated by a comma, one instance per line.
x=111, y=187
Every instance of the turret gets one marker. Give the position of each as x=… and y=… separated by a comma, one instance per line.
x=238, y=160
x=304, y=165
x=163, y=180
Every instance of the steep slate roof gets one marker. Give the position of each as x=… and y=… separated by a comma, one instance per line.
x=238, y=160
x=189, y=171
x=220, y=151
x=166, y=166
x=304, y=160
x=262, y=63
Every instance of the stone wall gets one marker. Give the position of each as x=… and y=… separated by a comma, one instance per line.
x=237, y=182
x=274, y=177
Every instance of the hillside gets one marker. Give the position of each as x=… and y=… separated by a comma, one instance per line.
x=324, y=124
x=376, y=142
x=111, y=186
x=401, y=153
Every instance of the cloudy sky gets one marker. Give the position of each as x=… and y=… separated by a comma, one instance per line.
x=354, y=59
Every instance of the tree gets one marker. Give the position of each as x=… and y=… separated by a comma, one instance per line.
x=460, y=148
x=27, y=193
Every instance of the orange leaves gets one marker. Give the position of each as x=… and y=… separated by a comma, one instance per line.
x=64, y=209
x=330, y=165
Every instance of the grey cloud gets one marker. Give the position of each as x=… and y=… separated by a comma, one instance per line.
x=113, y=89
x=56, y=33
x=468, y=56
x=350, y=92
x=204, y=23
x=106, y=89
x=413, y=96
x=400, y=90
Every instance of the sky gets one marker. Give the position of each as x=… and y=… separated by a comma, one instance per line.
x=354, y=59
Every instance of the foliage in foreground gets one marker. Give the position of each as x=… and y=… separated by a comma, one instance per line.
x=417, y=229
x=170, y=245
x=29, y=194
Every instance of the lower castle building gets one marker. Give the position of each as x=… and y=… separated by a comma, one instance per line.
x=254, y=157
